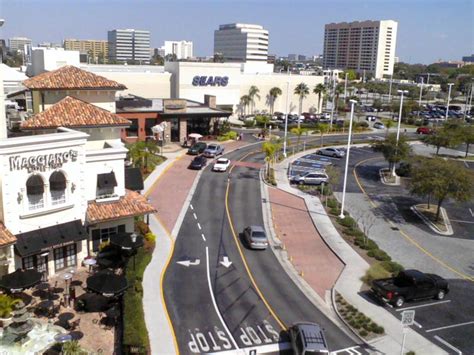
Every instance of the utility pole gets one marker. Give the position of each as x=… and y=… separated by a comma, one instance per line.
x=390, y=89
x=449, y=98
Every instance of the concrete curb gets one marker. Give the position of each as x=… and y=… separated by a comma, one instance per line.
x=433, y=226
x=383, y=181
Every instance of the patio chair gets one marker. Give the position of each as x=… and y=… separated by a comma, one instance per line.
x=75, y=324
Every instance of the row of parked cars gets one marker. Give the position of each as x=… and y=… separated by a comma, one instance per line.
x=205, y=151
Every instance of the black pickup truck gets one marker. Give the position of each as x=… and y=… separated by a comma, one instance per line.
x=410, y=285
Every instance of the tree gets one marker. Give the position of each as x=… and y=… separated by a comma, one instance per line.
x=302, y=91
x=253, y=93
x=72, y=347
x=7, y=303
x=298, y=131
x=351, y=75
x=245, y=102
x=171, y=57
x=388, y=124
x=392, y=152
x=143, y=155
x=274, y=93
x=467, y=137
x=218, y=58
x=339, y=91
x=319, y=90
x=447, y=137
x=441, y=179
x=270, y=149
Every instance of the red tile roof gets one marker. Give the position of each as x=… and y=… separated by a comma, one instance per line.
x=132, y=204
x=6, y=237
x=71, y=78
x=72, y=112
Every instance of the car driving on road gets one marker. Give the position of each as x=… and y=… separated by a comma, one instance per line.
x=379, y=125
x=331, y=152
x=316, y=177
x=198, y=163
x=213, y=150
x=307, y=338
x=255, y=237
x=221, y=164
x=409, y=285
x=197, y=148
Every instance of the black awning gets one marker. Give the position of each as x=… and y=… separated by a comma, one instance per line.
x=44, y=239
x=106, y=180
x=133, y=179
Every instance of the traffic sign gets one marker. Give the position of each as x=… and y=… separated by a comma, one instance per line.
x=408, y=318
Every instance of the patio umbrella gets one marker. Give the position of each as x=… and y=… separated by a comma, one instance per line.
x=20, y=280
x=195, y=135
x=127, y=241
x=107, y=283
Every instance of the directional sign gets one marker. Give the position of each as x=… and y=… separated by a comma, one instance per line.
x=226, y=262
x=189, y=263
x=408, y=318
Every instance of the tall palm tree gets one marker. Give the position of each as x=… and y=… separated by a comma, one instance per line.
x=274, y=93
x=319, y=90
x=253, y=93
x=271, y=149
x=302, y=91
x=298, y=132
x=245, y=101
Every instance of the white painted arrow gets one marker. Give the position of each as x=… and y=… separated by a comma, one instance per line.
x=188, y=263
x=226, y=262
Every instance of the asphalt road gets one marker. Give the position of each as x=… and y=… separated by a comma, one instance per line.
x=215, y=307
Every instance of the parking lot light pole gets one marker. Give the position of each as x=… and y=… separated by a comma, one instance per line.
x=449, y=98
x=353, y=102
x=333, y=97
x=286, y=118
x=390, y=89
x=421, y=94
x=345, y=88
x=401, y=92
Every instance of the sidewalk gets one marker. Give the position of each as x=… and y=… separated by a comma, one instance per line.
x=348, y=284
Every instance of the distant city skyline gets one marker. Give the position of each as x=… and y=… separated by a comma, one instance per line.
x=428, y=30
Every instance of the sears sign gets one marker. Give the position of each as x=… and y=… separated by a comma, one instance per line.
x=210, y=80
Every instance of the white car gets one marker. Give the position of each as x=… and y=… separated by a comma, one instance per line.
x=221, y=164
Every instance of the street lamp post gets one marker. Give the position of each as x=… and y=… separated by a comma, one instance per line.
x=401, y=92
x=353, y=102
x=345, y=88
x=333, y=98
x=286, y=117
x=449, y=98
x=390, y=89
x=421, y=94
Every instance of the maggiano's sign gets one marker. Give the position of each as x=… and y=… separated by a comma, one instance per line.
x=43, y=161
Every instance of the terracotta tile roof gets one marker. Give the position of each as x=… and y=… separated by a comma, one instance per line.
x=132, y=204
x=70, y=77
x=72, y=112
x=6, y=237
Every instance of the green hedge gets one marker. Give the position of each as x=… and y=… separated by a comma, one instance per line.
x=231, y=135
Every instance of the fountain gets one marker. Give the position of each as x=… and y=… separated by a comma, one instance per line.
x=26, y=335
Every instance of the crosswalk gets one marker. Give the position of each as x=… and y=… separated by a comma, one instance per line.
x=284, y=348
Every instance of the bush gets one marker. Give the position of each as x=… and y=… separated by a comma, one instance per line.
x=332, y=203
x=142, y=227
x=363, y=333
x=355, y=232
x=336, y=211
x=150, y=237
x=249, y=123
x=392, y=267
x=366, y=244
x=379, y=330
x=363, y=124
x=231, y=135
x=379, y=254
x=347, y=221
x=375, y=271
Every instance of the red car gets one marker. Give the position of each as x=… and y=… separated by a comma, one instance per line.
x=424, y=130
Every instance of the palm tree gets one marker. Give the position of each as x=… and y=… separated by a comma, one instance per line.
x=270, y=149
x=72, y=347
x=339, y=90
x=298, y=132
x=143, y=155
x=302, y=91
x=319, y=90
x=253, y=93
x=6, y=305
x=245, y=101
x=274, y=93
x=388, y=124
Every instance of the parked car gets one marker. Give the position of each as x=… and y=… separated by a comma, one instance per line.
x=424, y=130
x=410, y=285
x=197, y=148
x=379, y=125
x=307, y=338
x=221, y=164
x=213, y=150
x=331, y=152
x=198, y=163
x=310, y=178
x=255, y=237
x=370, y=118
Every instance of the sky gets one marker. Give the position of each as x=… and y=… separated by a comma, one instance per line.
x=428, y=30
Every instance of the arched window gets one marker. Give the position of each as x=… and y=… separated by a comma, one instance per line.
x=57, y=187
x=35, y=192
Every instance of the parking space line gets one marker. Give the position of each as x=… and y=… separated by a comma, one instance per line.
x=472, y=213
x=191, y=206
x=461, y=221
x=423, y=305
x=199, y=226
x=417, y=324
x=194, y=215
x=442, y=341
x=449, y=326
x=203, y=237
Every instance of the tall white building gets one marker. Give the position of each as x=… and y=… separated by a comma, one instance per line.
x=241, y=42
x=364, y=46
x=19, y=43
x=182, y=49
x=129, y=44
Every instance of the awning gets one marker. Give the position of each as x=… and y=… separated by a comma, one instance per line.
x=106, y=180
x=133, y=179
x=45, y=239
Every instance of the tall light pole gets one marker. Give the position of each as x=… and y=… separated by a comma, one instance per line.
x=449, y=98
x=421, y=94
x=401, y=92
x=333, y=97
x=390, y=89
x=353, y=102
x=345, y=87
x=286, y=117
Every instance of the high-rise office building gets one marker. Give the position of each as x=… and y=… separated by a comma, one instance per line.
x=96, y=49
x=241, y=42
x=364, y=46
x=129, y=45
x=182, y=49
x=19, y=43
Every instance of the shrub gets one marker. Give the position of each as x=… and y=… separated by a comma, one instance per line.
x=381, y=255
x=336, y=211
x=249, y=123
x=347, y=221
x=375, y=271
x=392, y=267
x=7, y=304
x=231, y=135
x=379, y=330
x=332, y=203
x=363, y=124
x=363, y=333
x=150, y=237
x=355, y=232
x=142, y=227
x=368, y=244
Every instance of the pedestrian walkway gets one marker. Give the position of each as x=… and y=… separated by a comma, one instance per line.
x=349, y=282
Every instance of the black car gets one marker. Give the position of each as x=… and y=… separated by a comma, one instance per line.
x=198, y=163
x=197, y=148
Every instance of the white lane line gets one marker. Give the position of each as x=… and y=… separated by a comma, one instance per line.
x=351, y=350
x=450, y=326
x=461, y=221
x=423, y=305
x=203, y=237
x=472, y=213
x=465, y=163
x=259, y=349
x=194, y=215
x=441, y=340
x=417, y=324
x=199, y=226
x=191, y=207
x=214, y=301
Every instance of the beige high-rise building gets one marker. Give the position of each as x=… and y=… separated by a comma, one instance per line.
x=95, y=48
x=363, y=46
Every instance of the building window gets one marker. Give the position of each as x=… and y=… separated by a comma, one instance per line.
x=35, y=192
x=57, y=187
x=149, y=123
x=132, y=131
x=65, y=257
x=29, y=262
x=103, y=235
x=106, y=184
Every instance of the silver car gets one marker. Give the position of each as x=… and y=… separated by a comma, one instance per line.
x=308, y=338
x=255, y=237
x=331, y=152
x=213, y=150
x=311, y=178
